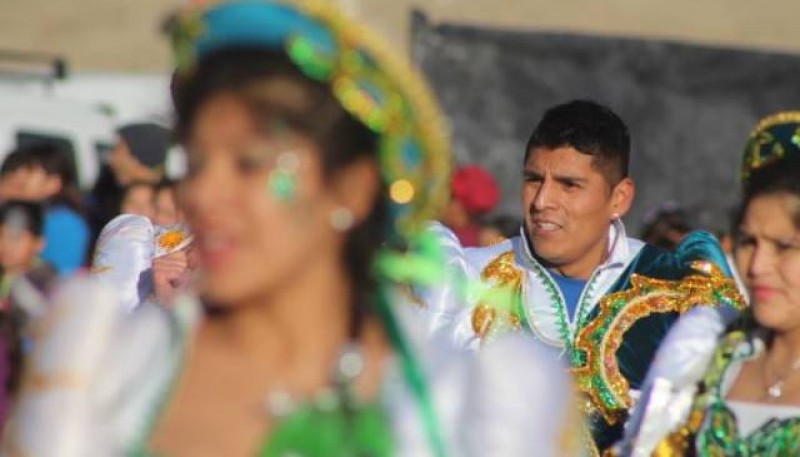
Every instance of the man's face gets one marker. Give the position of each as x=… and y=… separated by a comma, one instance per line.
x=568, y=206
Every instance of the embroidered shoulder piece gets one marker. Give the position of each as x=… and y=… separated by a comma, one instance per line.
x=600, y=378
x=489, y=319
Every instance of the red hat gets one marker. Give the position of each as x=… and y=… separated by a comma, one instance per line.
x=476, y=189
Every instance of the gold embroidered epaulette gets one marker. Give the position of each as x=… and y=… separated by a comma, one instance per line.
x=599, y=378
x=488, y=318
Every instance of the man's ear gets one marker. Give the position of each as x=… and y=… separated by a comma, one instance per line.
x=622, y=197
x=356, y=187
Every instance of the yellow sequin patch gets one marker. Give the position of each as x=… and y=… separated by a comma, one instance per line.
x=171, y=240
x=503, y=272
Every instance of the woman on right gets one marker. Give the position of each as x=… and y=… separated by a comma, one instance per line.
x=738, y=394
x=314, y=160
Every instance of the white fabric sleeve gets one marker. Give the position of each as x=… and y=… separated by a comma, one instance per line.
x=124, y=256
x=520, y=402
x=671, y=382
x=447, y=308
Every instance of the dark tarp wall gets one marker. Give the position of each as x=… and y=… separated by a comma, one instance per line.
x=689, y=108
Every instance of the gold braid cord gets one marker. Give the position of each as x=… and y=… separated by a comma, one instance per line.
x=600, y=378
x=784, y=117
x=760, y=137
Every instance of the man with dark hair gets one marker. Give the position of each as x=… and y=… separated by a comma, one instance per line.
x=580, y=284
x=575, y=184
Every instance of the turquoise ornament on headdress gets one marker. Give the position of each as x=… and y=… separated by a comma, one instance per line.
x=776, y=137
x=378, y=89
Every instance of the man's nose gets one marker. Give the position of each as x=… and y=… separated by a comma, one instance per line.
x=545, y=196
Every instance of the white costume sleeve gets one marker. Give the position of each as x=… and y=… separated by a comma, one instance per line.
x=520, y=402
x=671, y=382
x=512, y=399
x=95, y=375
x=124, y=257
x=55, y=414
x=447, y=306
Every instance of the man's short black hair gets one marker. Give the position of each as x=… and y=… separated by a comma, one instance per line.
x=591, y=129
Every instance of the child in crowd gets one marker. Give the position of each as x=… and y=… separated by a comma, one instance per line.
x=139, y=156
x=139, y=198
x=167, y=211
x=45, y=174
x=21, y=242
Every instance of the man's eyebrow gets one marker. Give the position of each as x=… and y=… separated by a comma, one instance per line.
x=559, y=178
x=570, y=179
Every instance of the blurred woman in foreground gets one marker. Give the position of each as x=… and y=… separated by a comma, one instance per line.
x=314, y=159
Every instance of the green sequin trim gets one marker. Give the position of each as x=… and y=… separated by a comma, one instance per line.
x=575, y=357
x=313, y=431
x=282, y=185
x=719, y=434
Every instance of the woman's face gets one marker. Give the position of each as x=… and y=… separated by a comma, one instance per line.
x=256, y=201
x=768, y=257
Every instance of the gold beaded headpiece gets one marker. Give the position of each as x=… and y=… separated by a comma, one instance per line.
x=380, y=90
x=775, y=137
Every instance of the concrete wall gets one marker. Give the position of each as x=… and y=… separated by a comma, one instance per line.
x=117, y=35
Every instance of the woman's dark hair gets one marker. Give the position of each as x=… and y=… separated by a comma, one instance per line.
x=782, y=177
x=304, y=105
x=54, y=161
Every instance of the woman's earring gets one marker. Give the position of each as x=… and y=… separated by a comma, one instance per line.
x=342, y=219
x=283, y=179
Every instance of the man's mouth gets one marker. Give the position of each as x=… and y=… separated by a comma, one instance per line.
x=544, y=227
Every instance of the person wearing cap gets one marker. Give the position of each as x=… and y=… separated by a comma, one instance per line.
x=578, y=283
x=474, y=193
x=138, y=157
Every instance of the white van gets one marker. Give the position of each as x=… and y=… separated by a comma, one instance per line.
x=83, y=130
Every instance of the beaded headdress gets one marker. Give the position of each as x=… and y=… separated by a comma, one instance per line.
x=775, y=137
x=377, y=88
